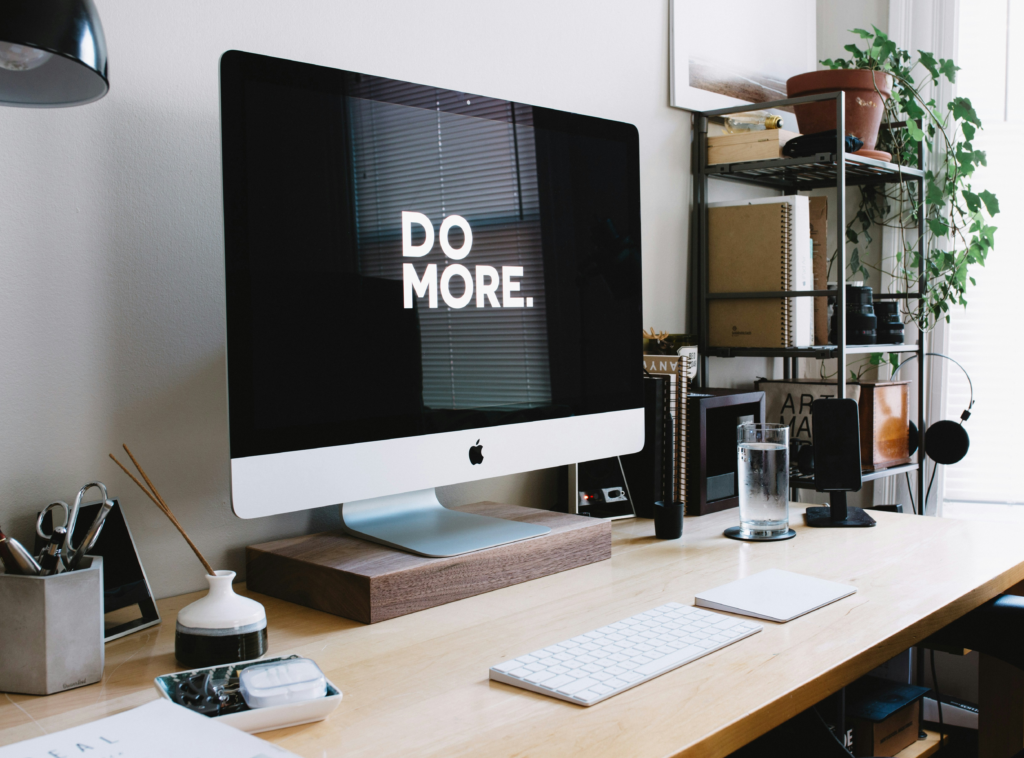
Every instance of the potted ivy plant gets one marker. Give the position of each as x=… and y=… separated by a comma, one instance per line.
x=958, y=229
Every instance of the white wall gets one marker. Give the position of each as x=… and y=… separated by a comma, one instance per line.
x=837, y=17
x=111, y=283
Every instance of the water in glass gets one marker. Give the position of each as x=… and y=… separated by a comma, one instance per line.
x=763, y=473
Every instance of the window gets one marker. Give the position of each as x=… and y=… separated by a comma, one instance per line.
x=986, y=336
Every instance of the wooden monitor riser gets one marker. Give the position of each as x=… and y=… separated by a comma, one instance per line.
x=367, y=582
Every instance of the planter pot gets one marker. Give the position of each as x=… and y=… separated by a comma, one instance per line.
x=864, y=105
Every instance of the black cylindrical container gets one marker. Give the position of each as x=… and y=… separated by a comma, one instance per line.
x=861, y=322
x=890, y=328
x=668, y=520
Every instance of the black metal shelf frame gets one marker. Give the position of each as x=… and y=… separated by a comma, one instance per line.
x=807, y=482
x=792, y=175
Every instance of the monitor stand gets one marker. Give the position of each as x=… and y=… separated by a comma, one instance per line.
x=418, y=523
x=837, y=514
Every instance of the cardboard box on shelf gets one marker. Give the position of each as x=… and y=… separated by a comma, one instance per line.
x=884, y=716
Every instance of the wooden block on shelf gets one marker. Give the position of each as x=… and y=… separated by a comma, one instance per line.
x=884, y=424
x=749, y=146
x=367, y=582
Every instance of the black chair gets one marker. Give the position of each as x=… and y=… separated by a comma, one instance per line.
x=995, y=628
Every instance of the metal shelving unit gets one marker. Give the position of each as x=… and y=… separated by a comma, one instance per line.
x=793, y=175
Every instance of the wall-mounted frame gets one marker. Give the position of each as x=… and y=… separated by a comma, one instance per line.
x=718, y=60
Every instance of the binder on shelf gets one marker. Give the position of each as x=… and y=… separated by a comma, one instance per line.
x=677, y=371
x=646, y=471
x=819, y=235
x=760, y=245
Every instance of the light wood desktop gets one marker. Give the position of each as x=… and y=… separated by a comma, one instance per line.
x=418, y=685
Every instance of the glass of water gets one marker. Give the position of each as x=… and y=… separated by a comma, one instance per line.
x=763, y=474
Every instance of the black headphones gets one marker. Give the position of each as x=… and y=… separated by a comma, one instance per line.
x=947, y=441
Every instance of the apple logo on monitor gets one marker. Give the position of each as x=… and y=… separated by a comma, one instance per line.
x=476, y=453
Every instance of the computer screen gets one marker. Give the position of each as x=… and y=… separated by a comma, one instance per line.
x=409, y=264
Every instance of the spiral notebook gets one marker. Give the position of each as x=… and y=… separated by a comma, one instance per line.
x=760, y=245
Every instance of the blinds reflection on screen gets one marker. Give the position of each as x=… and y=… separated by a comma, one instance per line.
x=419, y=152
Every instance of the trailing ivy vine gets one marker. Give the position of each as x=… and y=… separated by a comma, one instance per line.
x=958, y=232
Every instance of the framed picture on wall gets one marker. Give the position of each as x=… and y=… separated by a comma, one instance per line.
x=740, y=52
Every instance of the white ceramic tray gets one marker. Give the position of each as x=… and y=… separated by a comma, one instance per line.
x=258, y=720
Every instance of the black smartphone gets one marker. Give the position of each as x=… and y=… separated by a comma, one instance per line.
x=835, y=426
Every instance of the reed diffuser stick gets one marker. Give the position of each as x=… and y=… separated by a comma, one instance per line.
x=158, y=501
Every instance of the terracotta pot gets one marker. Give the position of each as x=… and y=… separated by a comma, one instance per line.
x=864, y=105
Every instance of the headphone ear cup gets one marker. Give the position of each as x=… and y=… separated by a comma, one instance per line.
x=947, y=442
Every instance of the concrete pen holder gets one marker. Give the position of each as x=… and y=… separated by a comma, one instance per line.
x=51, y=630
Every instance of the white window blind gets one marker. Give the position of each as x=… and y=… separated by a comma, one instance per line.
x=984, y=337
x=449, y=160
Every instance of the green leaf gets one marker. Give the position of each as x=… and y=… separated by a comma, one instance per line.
x=915, y=131
x=948, y=69
x=863, y=34
x=875, y=359
x=964, y=111
x=939, y=227
x=969, y=131
x=853, y=49
x=972, y=200
x=991, y=202
x=928, y=61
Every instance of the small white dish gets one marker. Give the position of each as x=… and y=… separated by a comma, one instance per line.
x=258, y=720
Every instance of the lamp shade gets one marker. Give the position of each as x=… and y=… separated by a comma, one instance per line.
x=52, y=53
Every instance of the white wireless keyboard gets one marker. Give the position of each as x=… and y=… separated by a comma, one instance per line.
x=596, y=665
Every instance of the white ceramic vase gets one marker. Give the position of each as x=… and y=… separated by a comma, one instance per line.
x=221, y=627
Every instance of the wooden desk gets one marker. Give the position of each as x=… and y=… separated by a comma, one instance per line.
x=417, y=685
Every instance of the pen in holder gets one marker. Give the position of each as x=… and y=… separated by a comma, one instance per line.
x=51, y=630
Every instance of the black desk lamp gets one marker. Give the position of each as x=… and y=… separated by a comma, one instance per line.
x=835, y=428
x=52, y=53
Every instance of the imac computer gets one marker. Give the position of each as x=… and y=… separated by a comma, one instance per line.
x=424, y=287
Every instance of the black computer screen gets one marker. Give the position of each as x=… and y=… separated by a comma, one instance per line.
x=404, y=259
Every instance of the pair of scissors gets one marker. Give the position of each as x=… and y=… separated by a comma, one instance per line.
x=69, y=554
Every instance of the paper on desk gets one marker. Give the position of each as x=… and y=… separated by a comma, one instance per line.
x=156, y=730
x=775, y=595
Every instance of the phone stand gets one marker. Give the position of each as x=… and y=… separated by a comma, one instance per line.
x=837, y=514
x=836, y=431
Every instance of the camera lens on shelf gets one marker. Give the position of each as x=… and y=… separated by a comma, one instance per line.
x=890, y=329
x=861, y=322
